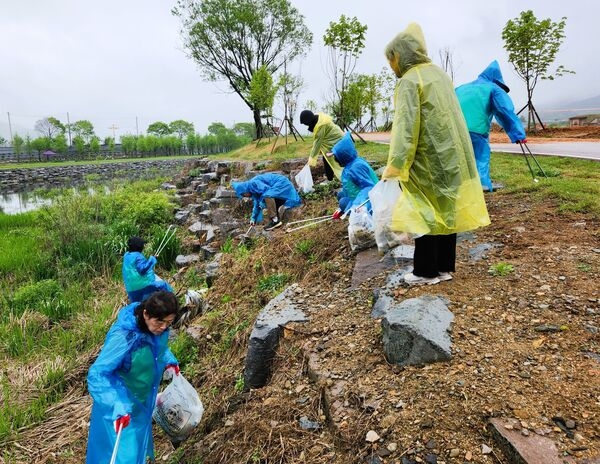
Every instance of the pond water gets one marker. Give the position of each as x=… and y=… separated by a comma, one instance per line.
x=15, y=203
x=22, y=202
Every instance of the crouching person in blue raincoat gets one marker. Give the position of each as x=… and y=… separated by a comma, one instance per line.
x=480, y=100
x=138, y=272
x=272, y=191
x=124, y=380
x=358, y=177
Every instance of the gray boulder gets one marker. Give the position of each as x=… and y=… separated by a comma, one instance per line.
x=416, y=331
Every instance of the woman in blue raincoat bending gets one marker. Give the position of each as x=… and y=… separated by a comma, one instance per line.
x=124, y=380
x=358, y=177
x=272, y=191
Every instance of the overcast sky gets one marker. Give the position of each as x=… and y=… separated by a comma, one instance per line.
x=113, y=61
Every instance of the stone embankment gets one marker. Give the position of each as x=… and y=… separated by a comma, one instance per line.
x=27, y=179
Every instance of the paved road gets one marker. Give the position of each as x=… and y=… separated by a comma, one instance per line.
x=583, y=150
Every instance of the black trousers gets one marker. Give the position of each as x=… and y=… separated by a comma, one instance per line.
x=328, y=171
x=434, y=254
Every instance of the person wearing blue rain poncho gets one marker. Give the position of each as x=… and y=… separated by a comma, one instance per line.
x=480, y=100
x=124, y=380
x=138, y=272
x=358, y=177
x=272, y=191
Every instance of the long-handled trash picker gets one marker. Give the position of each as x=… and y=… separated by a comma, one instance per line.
x=113, y=458
x=169, y=234
x=315, y=222
x=524, y=146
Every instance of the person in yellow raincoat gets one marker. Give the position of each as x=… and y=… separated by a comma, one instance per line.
x=432, y=158
x=326, y=134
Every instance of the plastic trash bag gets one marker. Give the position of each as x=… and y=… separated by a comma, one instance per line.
x=384, y=196
x=304, y=179
x=360, y=229
x=178, y=409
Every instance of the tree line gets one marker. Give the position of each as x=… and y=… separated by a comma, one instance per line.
x=175, y=138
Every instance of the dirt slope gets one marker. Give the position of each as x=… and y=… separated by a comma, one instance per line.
x=525, y=346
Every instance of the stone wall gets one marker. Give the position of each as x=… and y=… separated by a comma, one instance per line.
x=27, y=179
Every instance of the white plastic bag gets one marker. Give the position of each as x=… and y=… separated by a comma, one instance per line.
x=384, y=196
x=178, y=409
x=304, y=179
x=360, y=229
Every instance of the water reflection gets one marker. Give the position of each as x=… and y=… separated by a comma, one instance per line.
x=15, y=203
x=22, y=202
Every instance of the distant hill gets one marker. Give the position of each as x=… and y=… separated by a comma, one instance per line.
x=565, y=111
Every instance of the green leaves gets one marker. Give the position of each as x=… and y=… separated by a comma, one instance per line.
x=347, y=36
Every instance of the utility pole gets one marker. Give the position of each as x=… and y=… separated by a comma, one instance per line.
x=9, y=127
x=69, y=128
x=137, y=133
x=114, y=128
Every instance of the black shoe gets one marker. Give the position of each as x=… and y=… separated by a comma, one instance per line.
x=273, y=224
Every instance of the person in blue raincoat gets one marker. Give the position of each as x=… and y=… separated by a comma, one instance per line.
x=138, y=272
x=124, y=380
x=480, y=100
x=272, y=191
x=358, y=177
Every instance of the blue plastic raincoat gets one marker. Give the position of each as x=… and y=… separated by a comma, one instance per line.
x=139, y=278
x=430, y=151
x=481, y=100
x=124, y=379
x=267, y=185
x=325, y=134
x=358, y=177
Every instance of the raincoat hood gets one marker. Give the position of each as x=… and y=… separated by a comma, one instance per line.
x=407, y=49
x=493, y=74
x=240, y=188
x=126, y=319
x=345, y=151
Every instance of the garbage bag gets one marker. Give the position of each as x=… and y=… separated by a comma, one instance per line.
x=384, y=196
x=304, y=179
x=360, y=229
x=178, y=409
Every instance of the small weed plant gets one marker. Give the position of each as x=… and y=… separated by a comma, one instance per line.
x=501, y=269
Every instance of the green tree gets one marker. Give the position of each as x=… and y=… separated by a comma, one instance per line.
x=80, y=145
x=50, y=127
x=532, y=46
x=346, y=40
x=83, y=129
x=59, y=145
x=128, y=144
x=40, y=145
x=231, y=39
x=181, y=128
x=17, y=143
x=95, y=145
x=3, y=141
x=109, y=142
x=191, y=143
x=159, y=128
x=245, y=129
x=262, y=91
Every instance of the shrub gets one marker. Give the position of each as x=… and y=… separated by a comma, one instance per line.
x=33, y=295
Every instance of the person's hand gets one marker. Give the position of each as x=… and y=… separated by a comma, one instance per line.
x=312, y=162
x=521, y=141
x=173, y=369
x=337, y=214
x=389, y=172
x=252, y=223
x=122, y=422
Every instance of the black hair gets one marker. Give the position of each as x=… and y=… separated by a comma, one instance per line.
x=308, y=118
x=135, y=244
x=159, y=305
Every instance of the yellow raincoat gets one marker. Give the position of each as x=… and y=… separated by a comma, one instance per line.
x=326, y=135
x=430, y=150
